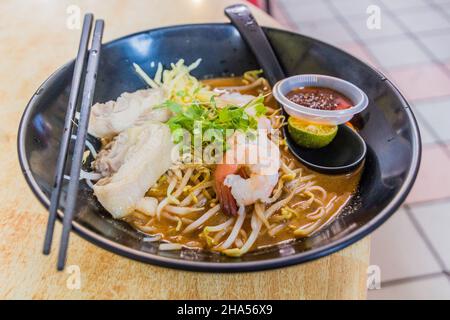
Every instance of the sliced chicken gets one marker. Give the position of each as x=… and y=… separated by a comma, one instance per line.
x=112, y=156
x=132, y=164
x=130, y=109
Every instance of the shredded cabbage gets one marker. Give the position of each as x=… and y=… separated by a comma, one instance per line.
x=177, y=83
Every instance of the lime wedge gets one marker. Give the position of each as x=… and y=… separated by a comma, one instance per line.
x=311, y=135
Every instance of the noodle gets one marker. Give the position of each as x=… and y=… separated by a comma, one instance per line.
x=248, y=87
x=197, y=223
x=320, y=189
x=317, y=214
x=191, y=197
x=181, y=210
x=221, y=226
x=146, y=228
x=256, y=227
x=188, y=212
x=235, y=231
x=184, y=182
x=260, y=214
x=220, y=235
x=238, y=242
x=273, y=232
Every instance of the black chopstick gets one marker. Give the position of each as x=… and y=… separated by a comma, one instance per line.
x=83, y=123
x=67, y=131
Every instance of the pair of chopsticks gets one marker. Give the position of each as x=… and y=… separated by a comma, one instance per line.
x=76, y=160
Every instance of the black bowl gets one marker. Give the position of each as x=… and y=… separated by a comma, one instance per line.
x=387, y=125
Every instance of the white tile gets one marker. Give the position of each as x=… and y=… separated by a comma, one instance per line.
x=388, y=28
x=330, y=31
x=437, y=114
x=426, y=135
x=434, y=218
x=424, y=20
x=351, y=8
x=445, y=7
x=301, y=11
x=436, y=288
x=397, y=52
x=403, y=4
x=399, y=251
x=439, y=44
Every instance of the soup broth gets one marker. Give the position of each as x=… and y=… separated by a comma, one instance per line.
x=300, y=211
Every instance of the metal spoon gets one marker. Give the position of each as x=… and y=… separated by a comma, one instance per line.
x=346, y=151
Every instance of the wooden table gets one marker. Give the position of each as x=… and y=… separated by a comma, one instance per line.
x=35, y=41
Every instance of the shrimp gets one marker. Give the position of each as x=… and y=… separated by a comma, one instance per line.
x=248, y=173
x=223, y=192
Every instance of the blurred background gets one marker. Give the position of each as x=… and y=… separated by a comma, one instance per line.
x=409, y=41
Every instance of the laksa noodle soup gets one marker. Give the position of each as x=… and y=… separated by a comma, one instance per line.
x=204, y=165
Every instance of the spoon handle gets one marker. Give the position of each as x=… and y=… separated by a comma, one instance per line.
x=241, y=17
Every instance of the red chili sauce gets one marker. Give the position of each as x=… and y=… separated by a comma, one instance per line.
x=319, y=98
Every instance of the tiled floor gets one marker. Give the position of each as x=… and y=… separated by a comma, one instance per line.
x=413, y=48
